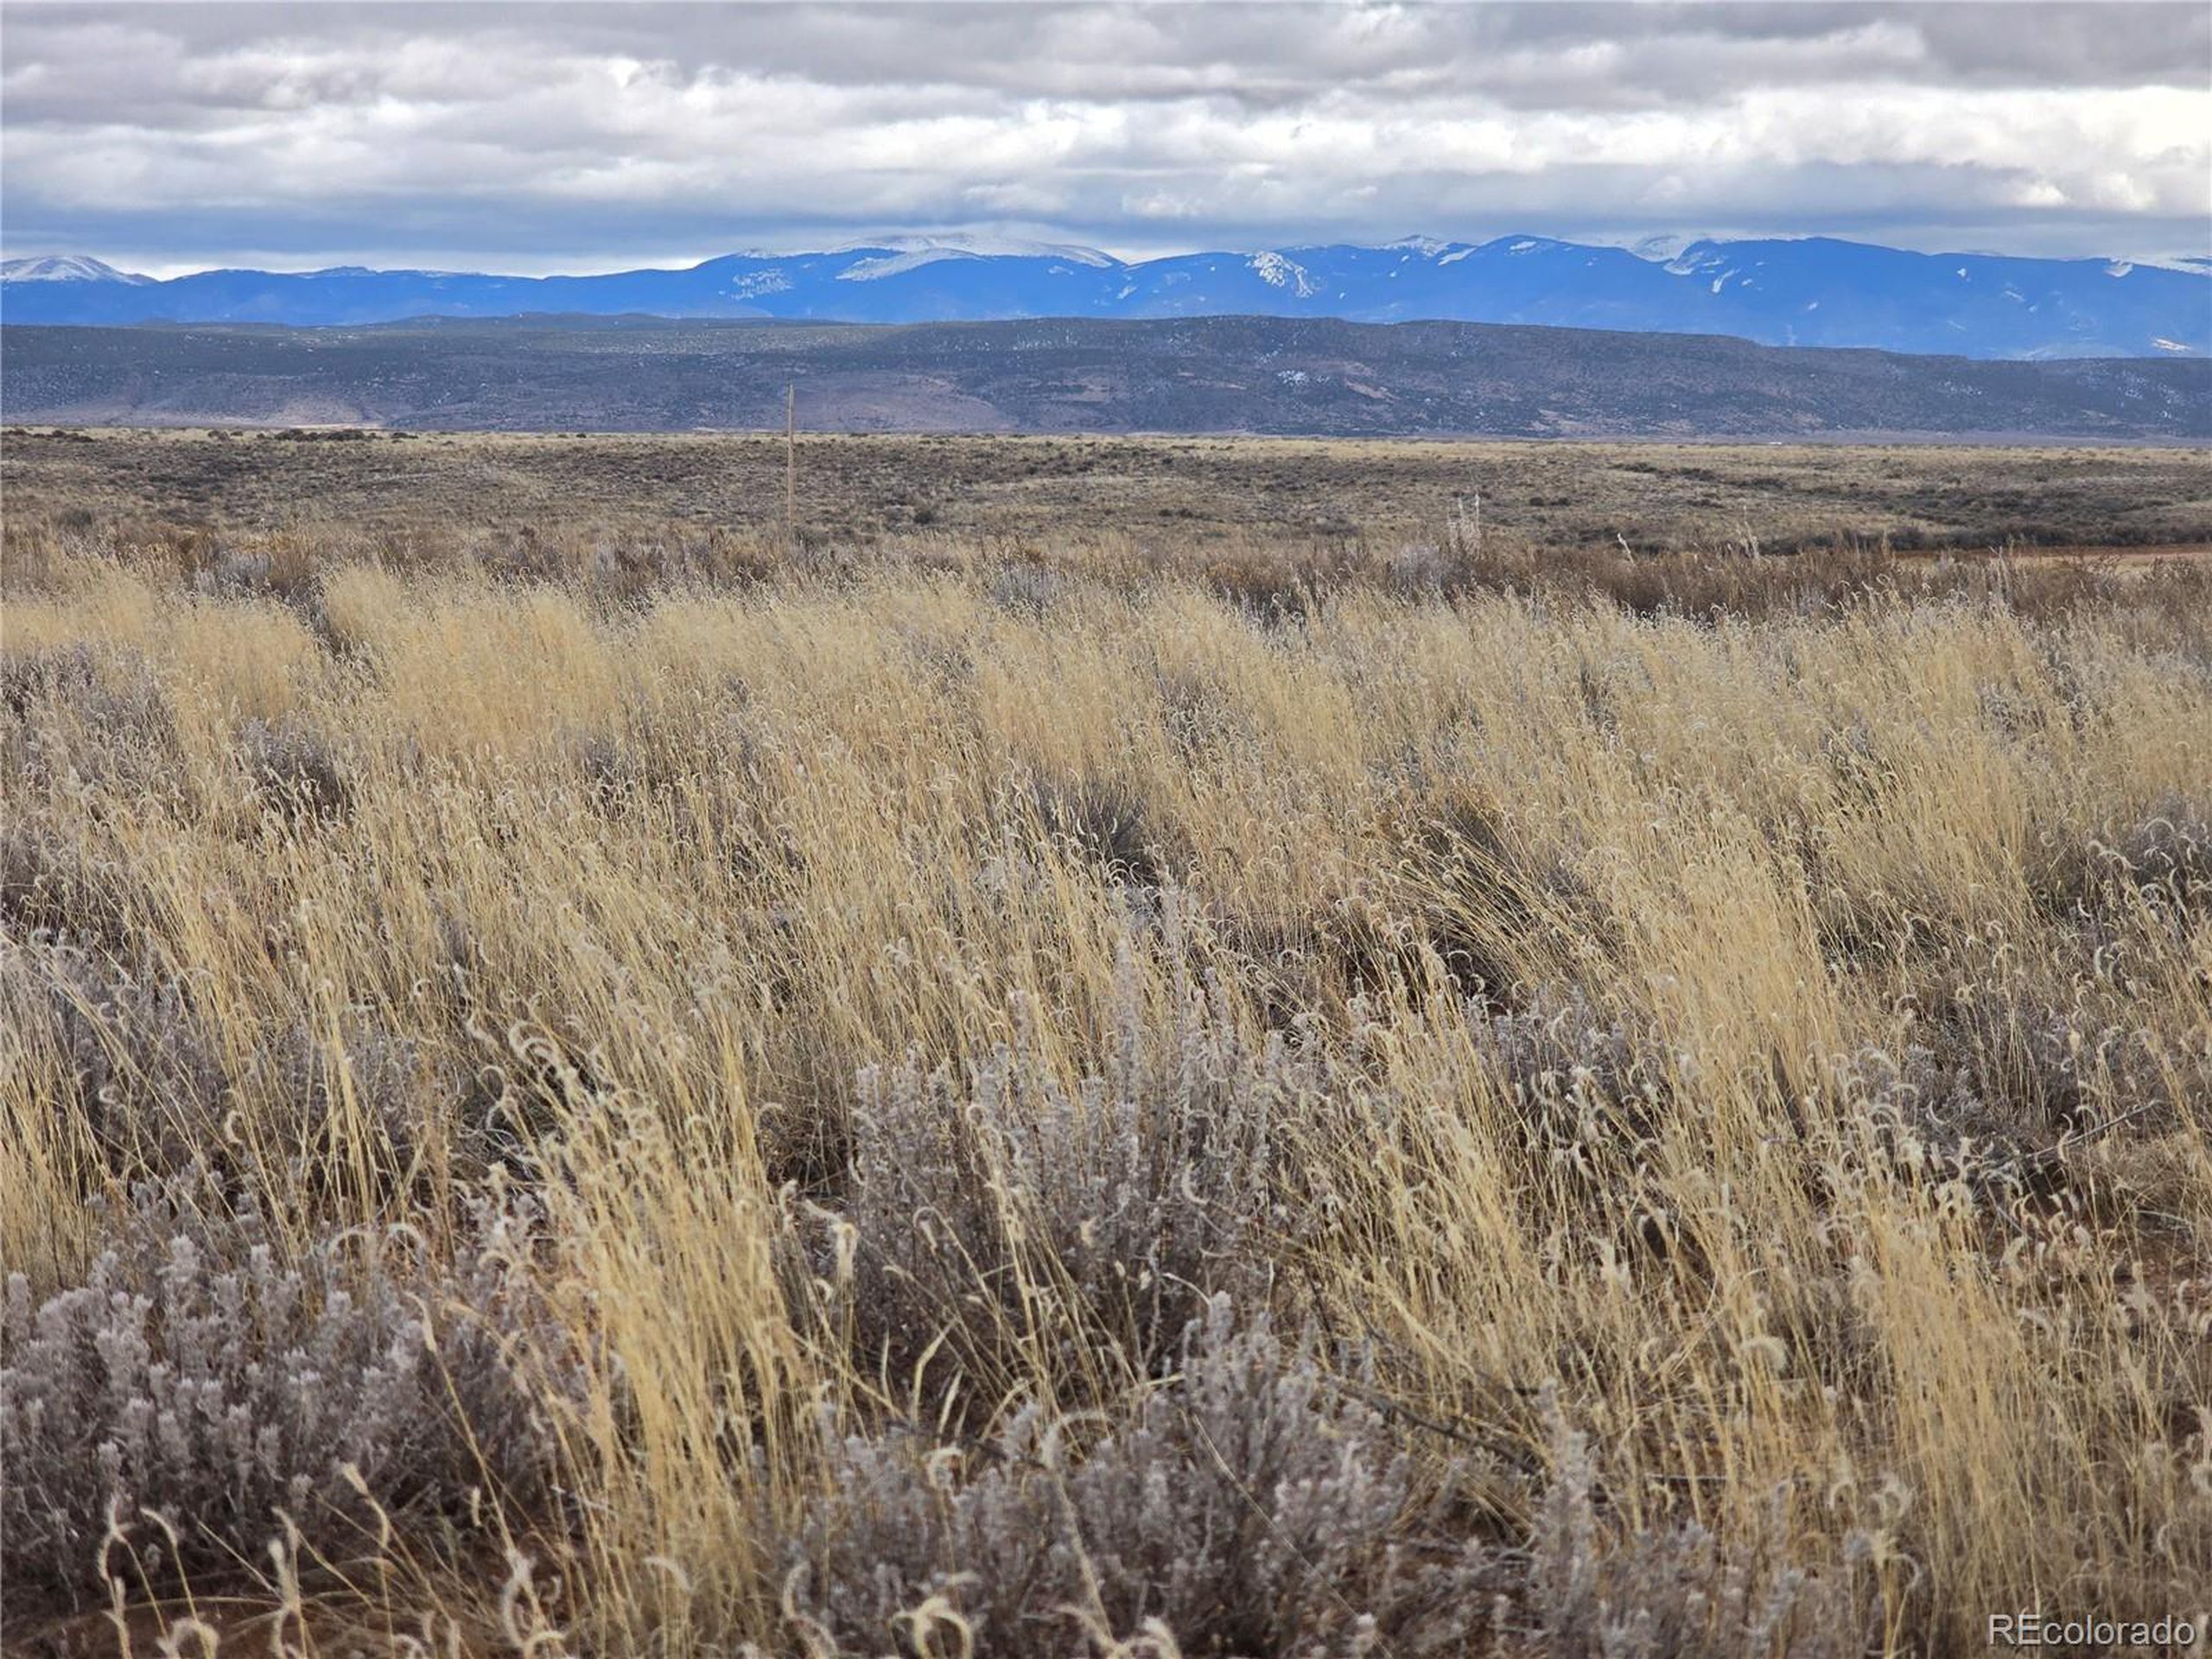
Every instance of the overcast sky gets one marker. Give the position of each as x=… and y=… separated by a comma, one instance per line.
x=583, y=137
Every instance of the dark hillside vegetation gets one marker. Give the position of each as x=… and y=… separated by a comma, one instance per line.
x=1203, y=375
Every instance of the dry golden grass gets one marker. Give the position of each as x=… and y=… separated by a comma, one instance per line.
x=1762, y=1027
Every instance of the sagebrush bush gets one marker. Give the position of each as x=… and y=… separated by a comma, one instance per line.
x=1249, y=1506
x=1676, y=1591
x=295, y=768
x=1013, y=1214
x=52, y=889
x=200, y=1376
x=1244, y=1504
x=94, y=717
x=134, y=1065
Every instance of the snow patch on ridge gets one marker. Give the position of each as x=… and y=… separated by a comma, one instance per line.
x=981, y=247
x=905, y=253
x=869, y=270
x=1278, y=273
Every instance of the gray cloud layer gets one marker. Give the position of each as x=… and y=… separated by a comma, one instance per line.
x=532, y=138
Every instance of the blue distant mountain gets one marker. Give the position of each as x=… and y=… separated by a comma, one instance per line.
x=1818, y=291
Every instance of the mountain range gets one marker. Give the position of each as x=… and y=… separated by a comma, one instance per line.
x=1814, y=291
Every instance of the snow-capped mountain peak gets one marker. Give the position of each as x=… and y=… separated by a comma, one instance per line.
x=67, y=268
x=981, y=246
x=903, y=253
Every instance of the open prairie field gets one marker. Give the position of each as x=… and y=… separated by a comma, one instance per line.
x=1153, y=492
x=1164, y=1060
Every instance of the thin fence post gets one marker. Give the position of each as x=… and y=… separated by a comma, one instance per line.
x=790, y=461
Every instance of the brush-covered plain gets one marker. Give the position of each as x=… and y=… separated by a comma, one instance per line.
x=634, y=1090
x=1165, y=493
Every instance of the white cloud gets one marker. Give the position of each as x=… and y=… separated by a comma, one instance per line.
x=539, y=136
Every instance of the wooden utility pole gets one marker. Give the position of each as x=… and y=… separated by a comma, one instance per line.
x=790, y=461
